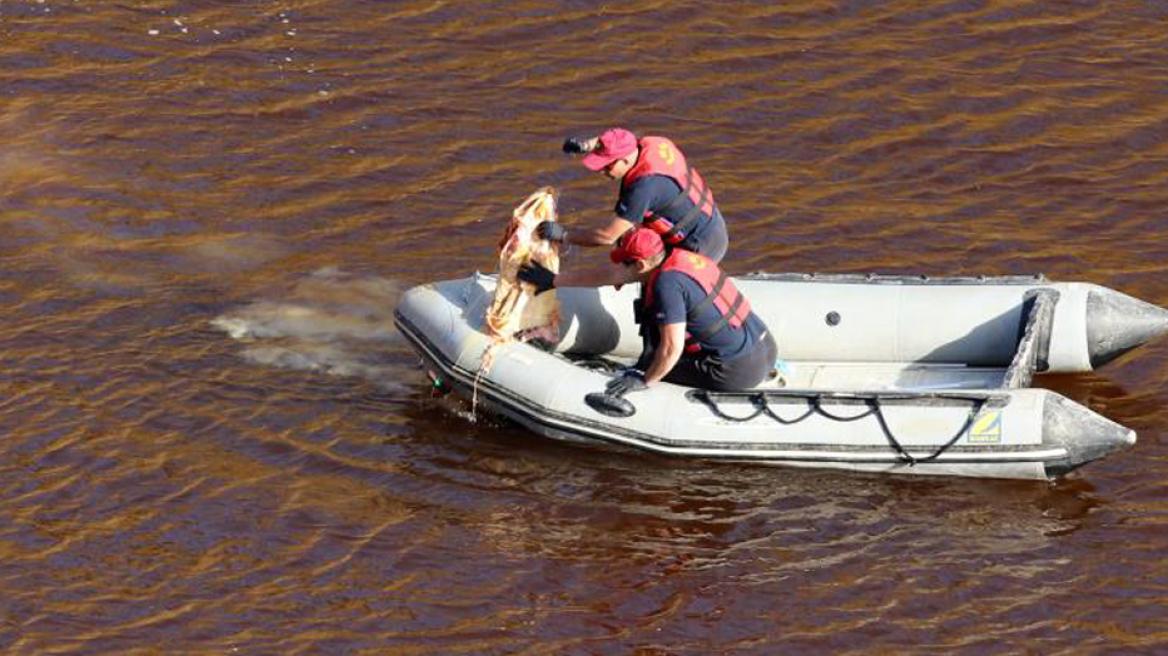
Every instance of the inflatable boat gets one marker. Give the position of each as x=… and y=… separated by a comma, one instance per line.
x=909, y=375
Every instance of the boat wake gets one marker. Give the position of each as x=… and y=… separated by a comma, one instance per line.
x=332, y=322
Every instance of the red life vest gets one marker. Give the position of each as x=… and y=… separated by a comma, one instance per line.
x=660, y=156
x=720, y=290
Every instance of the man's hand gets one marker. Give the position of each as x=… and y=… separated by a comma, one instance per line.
x=552, y=231
x=574, y=146
x=629, y=381
x=538, y=275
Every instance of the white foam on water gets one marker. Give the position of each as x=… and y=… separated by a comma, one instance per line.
x=331, y=322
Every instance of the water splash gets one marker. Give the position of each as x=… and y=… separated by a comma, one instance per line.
x=332, y=321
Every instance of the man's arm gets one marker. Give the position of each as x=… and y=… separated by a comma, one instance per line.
x=605, y=235
x=609, y=275
x=667, y=353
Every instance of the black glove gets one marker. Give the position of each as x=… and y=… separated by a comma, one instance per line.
x=538, y=275
x=630, y=381
x=572, y=145
x=552, y=231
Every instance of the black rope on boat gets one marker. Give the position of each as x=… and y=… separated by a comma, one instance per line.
x=766, y=406
x=872, y=409
x=814, y=401
x=905, y=455
x=713, y=406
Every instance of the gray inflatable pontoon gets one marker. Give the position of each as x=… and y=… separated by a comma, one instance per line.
x=884, y=373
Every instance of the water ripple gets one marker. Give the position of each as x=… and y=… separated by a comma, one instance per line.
x=215, y=442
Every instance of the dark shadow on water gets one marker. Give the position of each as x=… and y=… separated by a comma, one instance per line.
x=617, y=487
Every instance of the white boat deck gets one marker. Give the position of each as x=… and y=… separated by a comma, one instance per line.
x=892, y=376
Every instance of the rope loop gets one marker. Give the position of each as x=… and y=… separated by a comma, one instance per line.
x=760, y=401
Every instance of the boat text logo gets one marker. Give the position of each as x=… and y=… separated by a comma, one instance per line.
x=987, y=428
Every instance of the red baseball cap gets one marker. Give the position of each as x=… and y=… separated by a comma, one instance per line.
x=637, y=244
x=614, y=144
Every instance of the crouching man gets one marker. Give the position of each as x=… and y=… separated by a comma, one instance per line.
x=698, y=329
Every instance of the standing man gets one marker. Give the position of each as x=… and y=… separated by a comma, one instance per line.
x=658, y=189
x=698, y=329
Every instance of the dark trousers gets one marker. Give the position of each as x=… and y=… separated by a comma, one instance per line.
x=742, y=373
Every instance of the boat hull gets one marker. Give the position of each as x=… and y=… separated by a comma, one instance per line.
x=958, y=427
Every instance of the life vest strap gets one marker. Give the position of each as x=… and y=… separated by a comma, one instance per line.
x=687, y=222
x=725, y=319
x=675, y=203
x=715, y=291
x=729, y=315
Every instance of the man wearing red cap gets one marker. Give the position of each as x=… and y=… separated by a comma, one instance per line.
x=698, y=329
x=658, y=189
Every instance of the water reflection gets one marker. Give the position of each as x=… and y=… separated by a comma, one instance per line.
x=575, y=501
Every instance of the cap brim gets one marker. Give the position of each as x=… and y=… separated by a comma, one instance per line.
x=617, y=255
x=596, y=161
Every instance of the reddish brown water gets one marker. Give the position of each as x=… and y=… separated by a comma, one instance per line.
x=172, y=168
